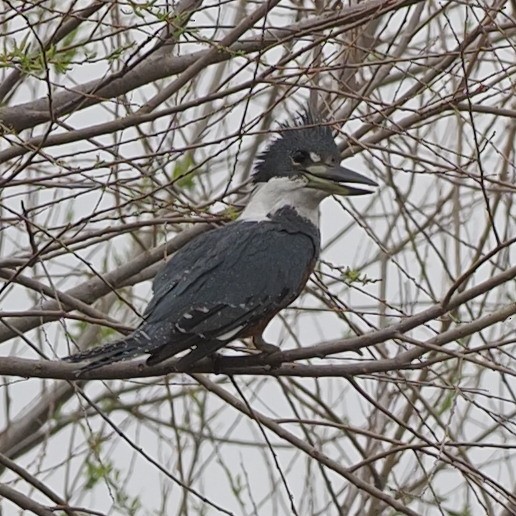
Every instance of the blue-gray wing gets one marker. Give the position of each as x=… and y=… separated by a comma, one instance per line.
x=226, y=282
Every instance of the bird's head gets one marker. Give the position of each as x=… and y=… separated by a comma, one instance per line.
x=306, y=151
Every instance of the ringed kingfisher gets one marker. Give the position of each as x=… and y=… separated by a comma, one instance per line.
x=228, y=283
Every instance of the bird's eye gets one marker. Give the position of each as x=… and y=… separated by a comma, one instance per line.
x=299, y=157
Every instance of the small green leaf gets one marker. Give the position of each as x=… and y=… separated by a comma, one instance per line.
x=353, y=276
x=231, y=213
x=182, y=174
x=95, y=472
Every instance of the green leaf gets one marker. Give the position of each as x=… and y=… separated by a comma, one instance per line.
x=95, y=472
x=231, y=213
x=353, y=276
x=182, y=174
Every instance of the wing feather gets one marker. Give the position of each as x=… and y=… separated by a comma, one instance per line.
x=224, y=283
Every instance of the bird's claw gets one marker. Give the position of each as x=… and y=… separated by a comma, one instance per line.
x=265, y=347
x=269, y=348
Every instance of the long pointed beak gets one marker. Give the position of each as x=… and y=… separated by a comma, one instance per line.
x=337, y=180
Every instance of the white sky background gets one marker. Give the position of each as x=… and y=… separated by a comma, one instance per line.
x=405, y=286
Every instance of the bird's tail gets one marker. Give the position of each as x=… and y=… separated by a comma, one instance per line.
x=117, y=351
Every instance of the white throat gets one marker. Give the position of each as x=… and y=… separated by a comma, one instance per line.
x=278, y=192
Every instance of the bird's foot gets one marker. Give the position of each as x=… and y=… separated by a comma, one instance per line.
x=216, y=362
x=265, y=347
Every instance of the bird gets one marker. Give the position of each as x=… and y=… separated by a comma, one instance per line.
x=228, y=283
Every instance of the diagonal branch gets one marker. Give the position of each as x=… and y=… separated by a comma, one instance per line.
x=159, y=66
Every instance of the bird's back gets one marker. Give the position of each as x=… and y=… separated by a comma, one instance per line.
x=220, y=286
